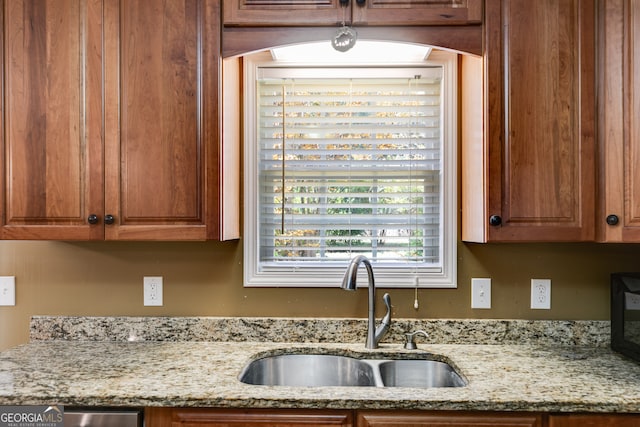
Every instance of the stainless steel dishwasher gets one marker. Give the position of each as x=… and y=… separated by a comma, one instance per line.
x=98, y=417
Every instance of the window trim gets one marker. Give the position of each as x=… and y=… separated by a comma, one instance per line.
x=330, y=275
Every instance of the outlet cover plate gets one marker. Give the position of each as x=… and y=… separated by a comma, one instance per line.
x=541, y=294
x=7, y=290
x=152, y=290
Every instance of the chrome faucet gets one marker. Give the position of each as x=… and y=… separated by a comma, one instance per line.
x=374, y=334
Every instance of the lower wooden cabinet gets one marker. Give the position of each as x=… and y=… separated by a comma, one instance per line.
x=202, y=417
x=446, y=419
x=594, y=420
x=191, y=417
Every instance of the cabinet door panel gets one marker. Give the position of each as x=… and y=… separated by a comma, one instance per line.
x=160, y=111
x=283, y=12
x=452, y=419
x=541, y=121
x=176, y=417
x=371, y=12
x=594, y=420
x=632, y=144
x=418, y=12
x=620, y=125
x=51, y=152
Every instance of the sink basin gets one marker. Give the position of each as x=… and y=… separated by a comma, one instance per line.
x=419, y=373
x=317, y=370
x=308, y=370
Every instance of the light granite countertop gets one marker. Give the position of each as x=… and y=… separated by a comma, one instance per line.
x=114, y=362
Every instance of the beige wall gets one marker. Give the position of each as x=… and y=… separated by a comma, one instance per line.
x=205, y=279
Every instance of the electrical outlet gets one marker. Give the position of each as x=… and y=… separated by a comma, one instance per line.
x=152, y=290
x=480, y=293
x=541, y=294
x=7, y=290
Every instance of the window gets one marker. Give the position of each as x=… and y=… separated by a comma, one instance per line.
x=347, y=160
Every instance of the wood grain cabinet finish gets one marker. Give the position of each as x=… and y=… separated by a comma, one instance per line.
x=211, y=417
x=110, y=109
x=446, y=419
x=161, y=114
x=196, y=417
x=594, y=420
x=537, y=143
x=356, y=12
x=200, y=417
x=619, y=131
x=51, y=147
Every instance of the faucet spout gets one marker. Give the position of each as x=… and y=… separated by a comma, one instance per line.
x=374, y=334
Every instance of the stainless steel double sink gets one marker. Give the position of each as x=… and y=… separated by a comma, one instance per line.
x=325, y=370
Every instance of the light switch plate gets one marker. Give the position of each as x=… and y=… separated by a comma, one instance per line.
x=7, y=290
x=480, y=293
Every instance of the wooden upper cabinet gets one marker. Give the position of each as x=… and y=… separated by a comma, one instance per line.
x=619, y=131
x=51, y=154
x=161, y=64
x=533, y=162
x=354, y=12
x=417, y=12
x=111, y=120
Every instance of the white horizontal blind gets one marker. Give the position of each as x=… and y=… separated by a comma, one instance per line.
x=350, y=166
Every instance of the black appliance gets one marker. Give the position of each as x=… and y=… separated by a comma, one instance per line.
x=625, y=314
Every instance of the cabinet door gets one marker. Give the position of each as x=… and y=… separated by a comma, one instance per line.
x=279, y=12
x=357, y=12
x=540, y=120
x=417, y=12
x=161, y=96
x=51, y=154
x=449, y=419
x=594, y=420
x=619, y=217
x=176, y=417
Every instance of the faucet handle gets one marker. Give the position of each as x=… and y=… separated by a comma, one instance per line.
x=385, y=323
x=410, y=343
x=387, y=302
